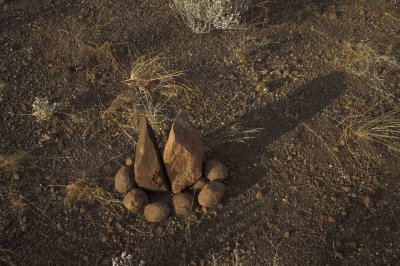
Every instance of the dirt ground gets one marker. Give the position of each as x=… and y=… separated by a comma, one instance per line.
x=300, y=191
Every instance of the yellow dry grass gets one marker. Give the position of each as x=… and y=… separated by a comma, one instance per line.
x=368, y=132
x=363, y=60
x=235, y=133
x=150, y=88
x=85, y=191
x=152, y=73
x=11, y=162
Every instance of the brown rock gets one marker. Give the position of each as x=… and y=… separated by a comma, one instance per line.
x=149, y=171
x=211, y=194
x=367, y=201
x=156, y=212
x=124, y=180
x=183, y=153
x=135, y=200
x=182, y=203
x=200, y=184
x=215, y=170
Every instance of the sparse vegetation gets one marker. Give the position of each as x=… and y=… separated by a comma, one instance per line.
x=235, y=133
x=152, y=74
x=363, y=60
x=42, y=109
x=149, y=89
x=85, y=191
x=11, y=162
x=369, y=131
x=202, y=16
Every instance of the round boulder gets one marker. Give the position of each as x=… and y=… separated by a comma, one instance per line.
x=215, y=170
x=135, y=200
x=182, y=203
x=123, y=180
x=211, y=194
x=200, y=184
x=157, y=211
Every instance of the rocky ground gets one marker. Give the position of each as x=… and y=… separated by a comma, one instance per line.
x=301, y=102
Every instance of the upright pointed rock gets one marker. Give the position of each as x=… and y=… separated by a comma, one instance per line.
x=183, y=153
x=149, y=171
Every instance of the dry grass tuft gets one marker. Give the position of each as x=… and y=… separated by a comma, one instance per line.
x=150, y=87
x=363, y=60
x=202, y=16
x=367, y=132
x=11, y=162
x=127, y=108
x=85, y=191
x=152, y=74
x=78, y=47
x=231, y=134
x=42, y=109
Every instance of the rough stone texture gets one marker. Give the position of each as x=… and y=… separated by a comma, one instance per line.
x=149, y=171
x=157, y=211
x=182, y=203
x=215, y=170
x=199, y=184
x=124, y=180
x=183, y=153
x=211, y=194
x=135, y=200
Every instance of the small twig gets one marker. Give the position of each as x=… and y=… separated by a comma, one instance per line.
x=337, y=254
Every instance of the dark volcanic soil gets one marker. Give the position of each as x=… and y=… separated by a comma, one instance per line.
x=297, y=194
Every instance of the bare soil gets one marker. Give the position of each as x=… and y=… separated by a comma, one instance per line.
x=296, y=193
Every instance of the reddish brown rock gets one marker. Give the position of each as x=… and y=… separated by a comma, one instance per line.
x=135, y=200
x=199, y=184
x=182, y=203
x=215, y=170
x=149, y=171
x=183, y=153
x=156, y=212
x=211, y=194
x=124, y=180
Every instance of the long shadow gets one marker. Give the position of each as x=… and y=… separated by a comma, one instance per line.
x=276, y=120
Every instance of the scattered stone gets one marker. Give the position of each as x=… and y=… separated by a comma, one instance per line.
x=129, y=162
x=149, y=171
x=82, y=210
x=182, y=203
x=367, y=201
x=200, y=184
x=286, y=234
x=215, y=170
x=353, y=244
x=135, y=200
x=124, y=180
x=24, y=228
x=261, y=88
x=211, y=194
x=259, y=195
x=183, y=153
x=156, y=212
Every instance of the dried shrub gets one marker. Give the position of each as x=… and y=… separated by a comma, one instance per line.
x=202, y=16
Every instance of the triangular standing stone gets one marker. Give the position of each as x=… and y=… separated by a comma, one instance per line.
x=183, y=153
x=149, y=171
